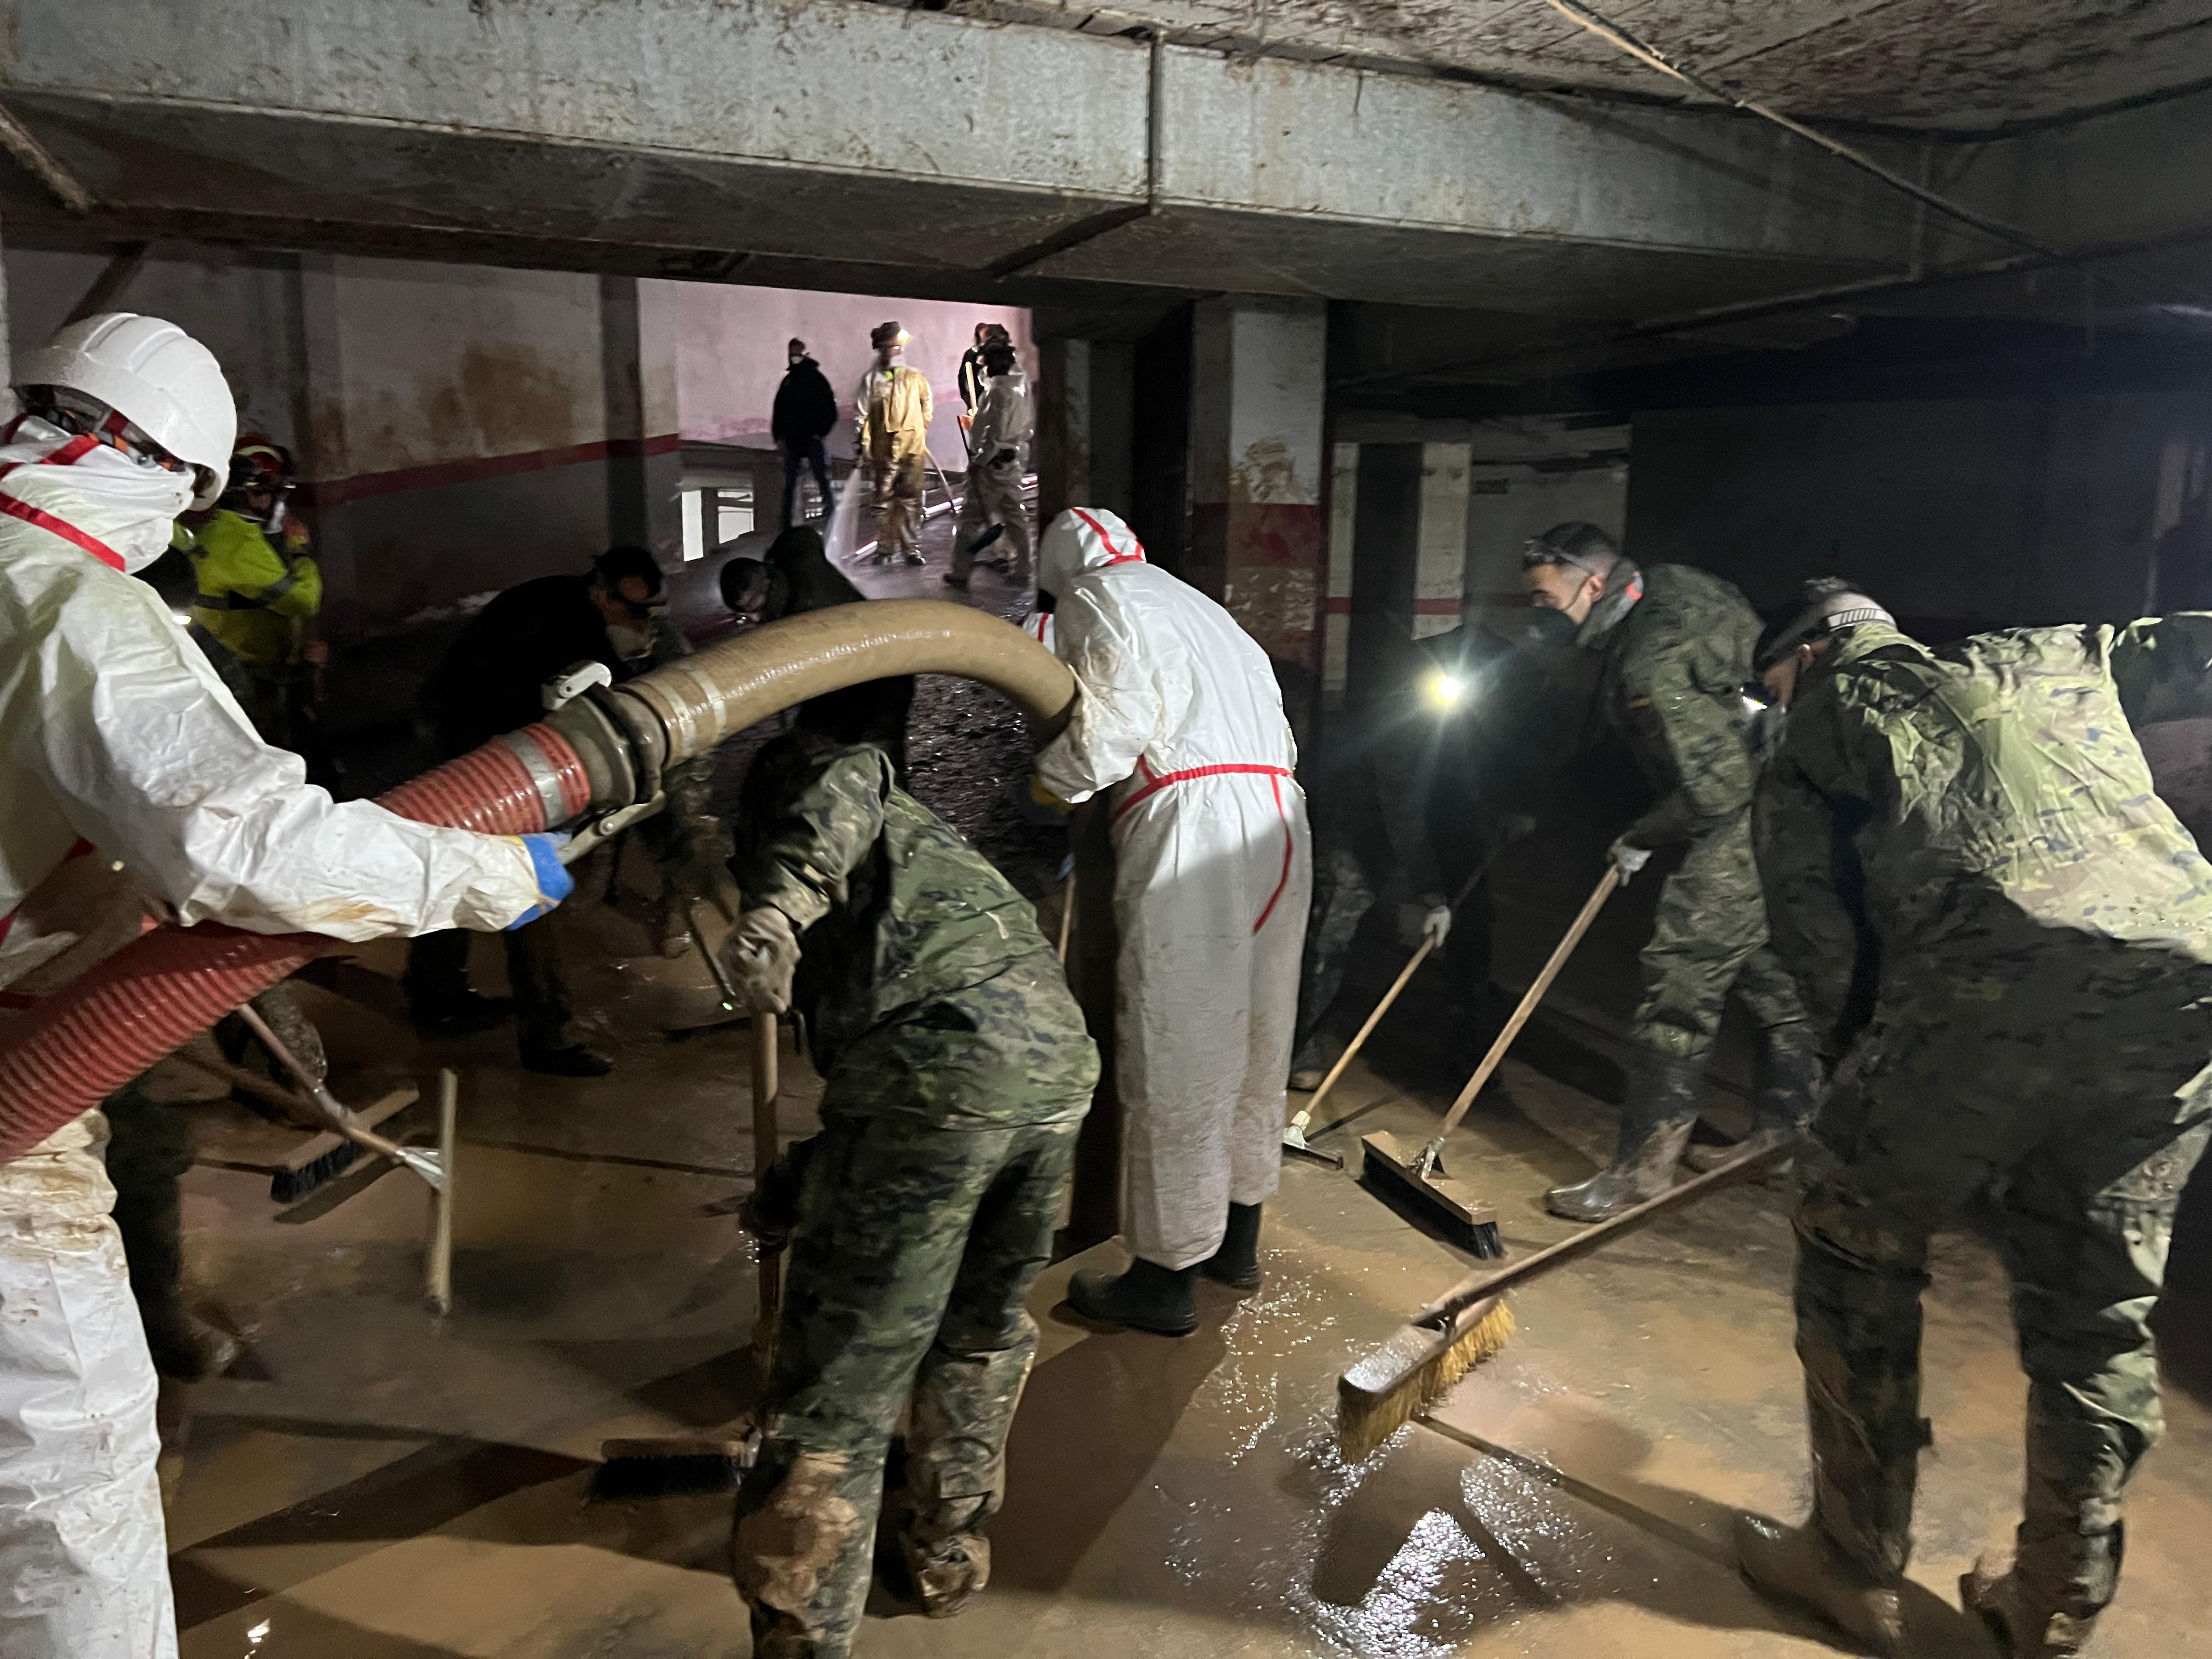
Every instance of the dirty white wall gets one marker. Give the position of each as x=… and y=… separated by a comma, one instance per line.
x=1524, y=476
x=729, y=353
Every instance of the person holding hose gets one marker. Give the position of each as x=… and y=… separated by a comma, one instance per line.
x=134, y=782
x=2030, y=1037
x=957, y=1072
x=1674, y=648
x=1181, y=719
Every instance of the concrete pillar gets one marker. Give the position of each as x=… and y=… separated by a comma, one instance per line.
x=1409, y=558
x=1258, y=544
x=637, y=369
x=1336, y=622
x=1084, y=392
x=319, y=426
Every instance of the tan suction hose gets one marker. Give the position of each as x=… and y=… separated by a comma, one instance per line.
x=702, y=700
x=78, y=1046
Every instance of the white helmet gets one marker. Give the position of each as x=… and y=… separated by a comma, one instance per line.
x=157, y=377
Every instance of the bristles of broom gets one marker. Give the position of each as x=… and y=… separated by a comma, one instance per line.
x=289, y=1185
x=636, y=1471
x=1414, y=1369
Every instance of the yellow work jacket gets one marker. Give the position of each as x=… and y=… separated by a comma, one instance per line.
x=253, y=595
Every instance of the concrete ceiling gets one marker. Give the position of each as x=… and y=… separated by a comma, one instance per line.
x=1955, y=66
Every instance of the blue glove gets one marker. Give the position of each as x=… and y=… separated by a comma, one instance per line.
x=553, y=881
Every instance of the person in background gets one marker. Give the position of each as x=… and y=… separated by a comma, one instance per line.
x=972, y=376
x=805, y=411
x=134, y=783
x=992, y=509
x=957, y=1071
x=492, y=682
x=892, y=409
x=258, y=591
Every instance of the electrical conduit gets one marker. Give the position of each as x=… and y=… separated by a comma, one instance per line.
x=105, y=1027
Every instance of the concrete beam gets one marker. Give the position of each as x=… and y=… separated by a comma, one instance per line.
x=924, y=142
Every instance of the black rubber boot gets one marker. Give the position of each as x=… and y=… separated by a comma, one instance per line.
x=1656, y=1120
x=1788, y=1091
x=1147, y=1297
x=1237, y=1263
x=2029, y=1624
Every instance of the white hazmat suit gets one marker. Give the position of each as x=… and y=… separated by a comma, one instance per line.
x=134, y=785
x=1180, y=718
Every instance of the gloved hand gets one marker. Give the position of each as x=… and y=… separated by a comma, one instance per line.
x=1629, y=858
x=553, y=881
x=1428, y=917
x=1038, y=804
x=761, y=954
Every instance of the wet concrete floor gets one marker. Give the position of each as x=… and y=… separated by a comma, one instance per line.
x=374, y=1483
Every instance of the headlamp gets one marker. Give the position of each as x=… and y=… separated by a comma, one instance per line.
x=1445, y=692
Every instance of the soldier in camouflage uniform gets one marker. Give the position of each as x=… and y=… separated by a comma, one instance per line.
x=2035, y=1040
x=958, y=1071
x=1676, y=647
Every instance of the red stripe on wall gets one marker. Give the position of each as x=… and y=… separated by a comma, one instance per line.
x=330, y=492
x=1437, y=607
x=1338, y=605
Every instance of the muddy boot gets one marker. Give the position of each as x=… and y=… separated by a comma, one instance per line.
x=1798, y=1564
x=186, y=1348
x=1147, y=1297
x=2026, y=1624
x=1310, y=1064
x=1656, y=1120
x=1237, y=1263
x=948, y=1573
x=1789, y=1089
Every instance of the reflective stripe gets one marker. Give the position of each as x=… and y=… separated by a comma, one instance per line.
x=235, y=600
x=1156, y=782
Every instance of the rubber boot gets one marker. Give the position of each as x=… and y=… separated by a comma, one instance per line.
x=2027, y=1625
x=1656, y=1120
x=1788, y=1090
x=1310, y=1064
x=1799, y=1565
x=1237, y=1263
x=948, y=1573
x=1147, y=1297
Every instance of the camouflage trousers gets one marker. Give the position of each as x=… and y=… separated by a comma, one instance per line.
x=1710, y=938
x=916, y=1248
x=2083, y=1157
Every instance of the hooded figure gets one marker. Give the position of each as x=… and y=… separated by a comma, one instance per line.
x=133, y=782
x=1181, y=719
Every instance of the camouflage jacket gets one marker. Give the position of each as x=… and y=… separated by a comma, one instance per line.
x=910, y=937
x=1671, y=678
x=1981, y=819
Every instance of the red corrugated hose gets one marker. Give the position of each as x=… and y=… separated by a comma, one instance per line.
x=80, y=1045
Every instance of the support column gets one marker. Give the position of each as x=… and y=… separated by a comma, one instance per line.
x=638, y=376
x=1409, y=531
x=1336, y=622
x=1085, y=391
x=1258, y=544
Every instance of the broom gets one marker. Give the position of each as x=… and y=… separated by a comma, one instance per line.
x=1419, y=1181
x=1468, y=1324
x=1294, y=1134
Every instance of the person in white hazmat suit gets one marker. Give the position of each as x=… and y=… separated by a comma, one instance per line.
x=992, y=508
x=1181, y=721
x=134, y=784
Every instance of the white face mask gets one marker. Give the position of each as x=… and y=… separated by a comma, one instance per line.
x=630, y=643
x=128, y=508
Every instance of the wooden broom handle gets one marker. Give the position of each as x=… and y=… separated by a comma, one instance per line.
x=1565, y=948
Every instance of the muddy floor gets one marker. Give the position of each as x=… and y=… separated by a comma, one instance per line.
x=371, y=1482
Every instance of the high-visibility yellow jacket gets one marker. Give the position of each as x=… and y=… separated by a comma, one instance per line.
x=251, y=595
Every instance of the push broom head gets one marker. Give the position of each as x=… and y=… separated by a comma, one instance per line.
x=1391, y=1170
x=1413, y=1370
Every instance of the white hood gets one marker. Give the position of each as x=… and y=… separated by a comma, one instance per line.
x=91, y=496
x=1084, y=538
